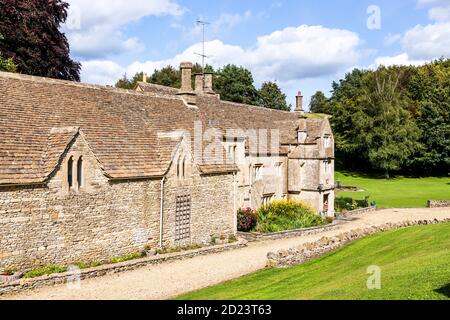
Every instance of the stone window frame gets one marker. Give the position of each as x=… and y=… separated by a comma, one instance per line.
x=279, y=169
x=267, y=199
x=232, y=149
x=74, y=180
x=258, y=171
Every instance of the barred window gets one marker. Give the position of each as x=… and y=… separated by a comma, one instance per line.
x=183, y=218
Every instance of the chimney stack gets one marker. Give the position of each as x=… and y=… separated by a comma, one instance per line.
x=199, y=83
x=144, y=77
x=299, y=104
x=186, y=91
x=203, y=83
x=186, y=76
x=208, y=83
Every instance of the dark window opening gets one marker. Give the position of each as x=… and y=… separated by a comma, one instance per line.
x=80, y=172
x=70, y=172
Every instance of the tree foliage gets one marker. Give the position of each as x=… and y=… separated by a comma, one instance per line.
x=393, y=119
x=232, y=82
x=271, y=96
x=33, y=40
x=6, y=64
x=236, y=84
x=319, y=103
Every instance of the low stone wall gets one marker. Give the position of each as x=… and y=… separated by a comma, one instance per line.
x=358, y=211
x=438, y=203
x=60, y=278
x=312, y=250
x=258, y=236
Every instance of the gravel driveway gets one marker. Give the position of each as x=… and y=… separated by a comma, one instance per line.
x=171, y=279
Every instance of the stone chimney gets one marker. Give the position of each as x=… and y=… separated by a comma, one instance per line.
x=186, y=76
x=144, y=77
x=186, y=91
x=199, y=83
x=208, y=84
x=204, y=83
x=299, y=104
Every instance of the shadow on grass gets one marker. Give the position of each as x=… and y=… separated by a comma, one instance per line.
x=445, y=290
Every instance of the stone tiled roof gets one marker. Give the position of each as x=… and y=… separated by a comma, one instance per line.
x=39, y=117
x=120, y=126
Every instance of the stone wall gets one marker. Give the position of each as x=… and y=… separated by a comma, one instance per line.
x=53, y=224
x=438, y=203
x=312, y=250
x=212, y=203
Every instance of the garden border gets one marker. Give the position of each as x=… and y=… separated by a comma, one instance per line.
x=60, y=278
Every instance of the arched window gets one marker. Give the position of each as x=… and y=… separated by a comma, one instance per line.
x=80, y=172
x=70, y=172
x=184, y=167
x=179, y=167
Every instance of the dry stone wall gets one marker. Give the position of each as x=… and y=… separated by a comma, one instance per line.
x=312, y=250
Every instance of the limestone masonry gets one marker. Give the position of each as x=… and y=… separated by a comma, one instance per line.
x=88, y=173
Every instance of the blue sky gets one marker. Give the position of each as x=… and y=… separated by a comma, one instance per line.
x=303, y=45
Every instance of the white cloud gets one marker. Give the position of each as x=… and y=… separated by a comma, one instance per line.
x=225, y=22
x=94, y=27
x=440, y=14
x=391, y=39
x=286, y=55
x=428, y=42
x=101, y=72
x=398, y=60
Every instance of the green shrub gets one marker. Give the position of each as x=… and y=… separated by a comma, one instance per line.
x=127, y=257
x=348, y=204
x=50, y=269
x=283, y=215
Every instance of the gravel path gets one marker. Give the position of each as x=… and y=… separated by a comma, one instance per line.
x=171, y=279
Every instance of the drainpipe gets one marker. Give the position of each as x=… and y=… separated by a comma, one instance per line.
x=161, y=213
x=234, y=204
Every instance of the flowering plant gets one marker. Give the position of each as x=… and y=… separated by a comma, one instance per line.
x=246, y=219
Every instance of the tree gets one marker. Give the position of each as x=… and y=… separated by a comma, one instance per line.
x=33, y=40
x=235, y=84
x=6, y=64
x=271, y=96
x=390, y=133
x=319, y=103
x=129, y=84
x=429, y=87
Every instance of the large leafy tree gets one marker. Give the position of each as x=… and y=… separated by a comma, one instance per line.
x=33, y=40
x=429, y=88
x=389, y=133
x=319, y=103
x=271, y=96
x=236, y=84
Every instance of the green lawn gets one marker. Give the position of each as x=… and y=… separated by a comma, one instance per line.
x=396, y=192
x=414, y=262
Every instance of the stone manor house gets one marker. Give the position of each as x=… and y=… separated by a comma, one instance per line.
x=91, y=172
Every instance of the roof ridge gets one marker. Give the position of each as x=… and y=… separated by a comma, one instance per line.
x=46, y=80
x=256, y=107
